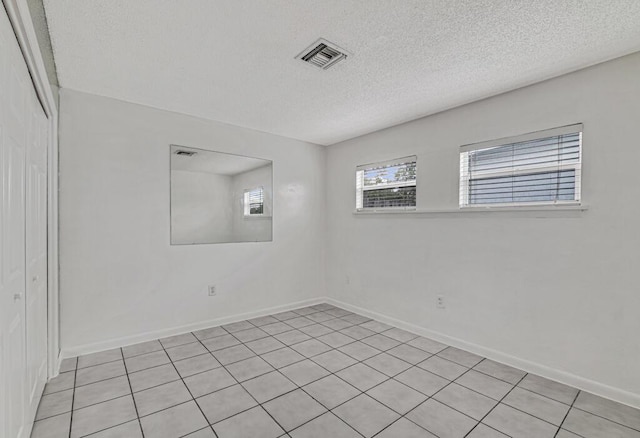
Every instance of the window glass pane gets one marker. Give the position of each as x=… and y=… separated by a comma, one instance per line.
x=542, y=170
x=396, y=197
x=532, y=187
x=551, y=150
x=388, y=184
x=254, y=201
x=390, y=174
x=255, y=208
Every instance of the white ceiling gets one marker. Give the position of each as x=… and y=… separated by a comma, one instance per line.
x=214, y=162
x=233, y=60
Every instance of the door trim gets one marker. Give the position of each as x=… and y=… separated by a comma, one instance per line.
x=20, y=18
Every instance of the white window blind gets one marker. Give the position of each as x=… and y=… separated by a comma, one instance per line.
x=389, y=184
x=254, y=201
x=537, y=168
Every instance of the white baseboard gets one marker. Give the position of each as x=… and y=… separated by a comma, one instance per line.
x=582, y=383
x=56, y=365
x=606, y=391
x=157, y=334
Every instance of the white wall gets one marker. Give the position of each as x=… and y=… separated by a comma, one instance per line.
x=119, y=276
x=252, y=228
x=560, y=291
x=554, y=289
x=201, y=207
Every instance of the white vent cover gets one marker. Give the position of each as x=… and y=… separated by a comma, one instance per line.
x=322, y=54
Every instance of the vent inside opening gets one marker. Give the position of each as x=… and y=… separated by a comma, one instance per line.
x=322, y=54
x=185, y=153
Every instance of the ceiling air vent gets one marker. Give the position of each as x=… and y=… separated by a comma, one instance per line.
x=185, y=153
x=322, y=54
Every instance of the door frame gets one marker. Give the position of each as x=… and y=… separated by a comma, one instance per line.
x=20, y=19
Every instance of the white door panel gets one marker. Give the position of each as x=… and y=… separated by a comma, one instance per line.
x=23, y=240
x=36, y=255
x=5, y=400
x=14, y=284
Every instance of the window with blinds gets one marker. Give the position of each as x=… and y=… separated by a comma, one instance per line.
x=254, y=202
x=390, y=184
x=533, y=169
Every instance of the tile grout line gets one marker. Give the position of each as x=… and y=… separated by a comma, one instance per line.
x=104, y=401
x=388, y=378
x=101, y=363
x=240, y=342
x=251, y=395
x=429, y=396
x=567, y=414
x=497, y=404
x=449, y=360
x=533, y=415
x=416, y=366
x=332, y=330
x=327, y=410
x=411, y=366
x=332, y=348
x=118, y=424
x=73, y=397
x=357, y=362
x=311, y=337
x=297, y=387
x=335, y=348
x=188, y=390
x=380, y=352
x=135, y=405
x=604, y=418
x=196, y=431
x=513, y=386
x=210, y=353
x=221, y=366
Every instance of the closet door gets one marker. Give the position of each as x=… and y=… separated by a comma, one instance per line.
x=23, y=293
x=36, y=253
x=14, y=79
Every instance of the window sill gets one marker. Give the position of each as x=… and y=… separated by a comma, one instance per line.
x=529, y=211
x=258, y=216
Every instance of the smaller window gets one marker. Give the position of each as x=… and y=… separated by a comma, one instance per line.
x=254, y=202
x=532, y=169
x=390, y=184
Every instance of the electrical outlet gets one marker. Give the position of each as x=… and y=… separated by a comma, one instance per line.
x=440, y=302
x=212, y=291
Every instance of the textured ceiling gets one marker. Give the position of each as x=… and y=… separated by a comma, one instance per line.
x=233, y=60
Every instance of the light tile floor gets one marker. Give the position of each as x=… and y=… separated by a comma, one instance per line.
x=318, y=371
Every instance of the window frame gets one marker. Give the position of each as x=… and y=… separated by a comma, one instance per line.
x=361, y=188
x=464, y=192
